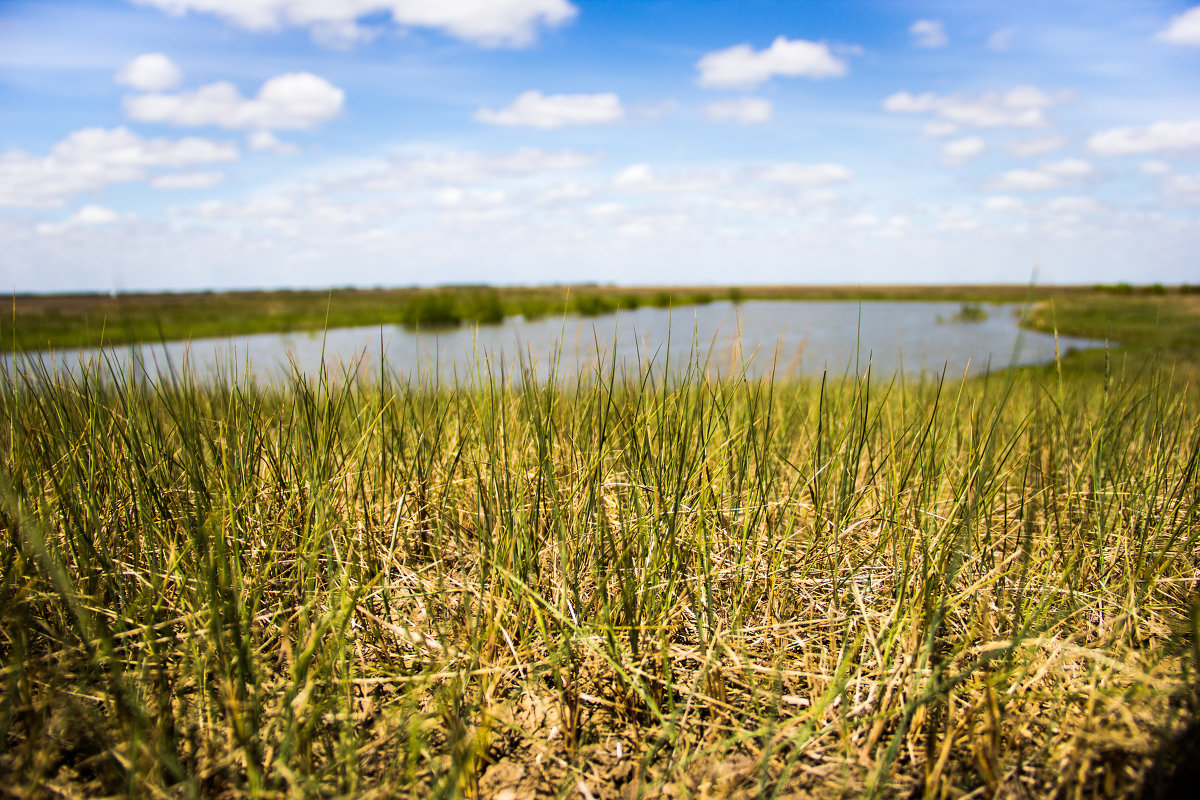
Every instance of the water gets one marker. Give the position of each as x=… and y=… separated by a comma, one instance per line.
x=762, y=337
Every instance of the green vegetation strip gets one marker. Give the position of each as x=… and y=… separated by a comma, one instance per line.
x=1141, y=319
x=71, y=321
x=620, y=586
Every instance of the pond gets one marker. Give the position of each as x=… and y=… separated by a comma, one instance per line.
x=759, y=337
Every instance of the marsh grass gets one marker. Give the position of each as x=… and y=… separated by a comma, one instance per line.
x=622, y=584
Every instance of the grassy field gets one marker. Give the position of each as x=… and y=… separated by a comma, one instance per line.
x=625, y=586
x=70, y=321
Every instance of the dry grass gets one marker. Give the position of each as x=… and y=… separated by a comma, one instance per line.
x=627, y=586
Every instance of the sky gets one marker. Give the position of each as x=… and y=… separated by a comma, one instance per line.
x=224, y=144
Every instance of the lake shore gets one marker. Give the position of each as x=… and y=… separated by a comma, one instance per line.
x=1141, y=319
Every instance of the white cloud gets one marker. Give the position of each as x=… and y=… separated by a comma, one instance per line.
x=563, y=193
x=1021, y=107
x=897, y=227
x=456, y=197
x=743, y=67
x=1026, y=148
x=1184, y=29
x=150, y=72
x=267, y=142
x=957, y=221
x=187, y=180
x=633, y=176
x=88, y=216
x=746, y=110
x=1001, y=40
x=460, y=167
x=937, y=129
x=1074, y=206
x=929, y=33
x=491, y=23
x=1025, y=180
x=94, y=158
x=342, y=34
x=536, y=110
x=960, y=151
x=602, y=210
x=1070, y=207
x=806, y=174
x=1181, y=187
x=1154, y=167
x=639, y=178
x=294, y=100
x=863, y=221
x=1159, y=137
x=1005, y=204
x=1047, y=176
x=94, y=215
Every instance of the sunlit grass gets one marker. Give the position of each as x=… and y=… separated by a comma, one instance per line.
x=625, y=582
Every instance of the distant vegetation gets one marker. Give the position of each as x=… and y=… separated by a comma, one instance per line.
x=1131, y=315
x=967, y=312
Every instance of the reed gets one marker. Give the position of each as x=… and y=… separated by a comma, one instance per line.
x=627, y=583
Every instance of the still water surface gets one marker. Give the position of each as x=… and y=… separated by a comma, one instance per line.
x=760, y=337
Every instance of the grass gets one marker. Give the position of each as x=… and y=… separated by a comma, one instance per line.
x=1149, y=323
x=629, y=585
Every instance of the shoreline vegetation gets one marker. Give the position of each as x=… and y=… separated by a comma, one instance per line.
x=1139, y=317
x=628, y=587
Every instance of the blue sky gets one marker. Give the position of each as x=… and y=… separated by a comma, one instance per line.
x=186, y=144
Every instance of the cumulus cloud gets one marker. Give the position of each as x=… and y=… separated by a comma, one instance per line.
x=1020, y=107
x=806, y=174
x=187, y=180
x=1025, y=148
x=937, y=129
x=957, y=221
x=459, y=167
x=746, y=110
x=743, y=67
x=1074, y=205
x=897, y=227
x=490, y=23
x=291, y=101
x=1046, y=176
x=89, y=216
x=1181, y=187
x=1184, y=29
x=960, y=151
x=150, y=72
x=1156, y=138
x=536, y=110
x=639, y=178
x=1001, y=41
x=929, y=33
x=457, y=197
x=1006, y=204
x=267, y=142
x=1064, y=208
x=94, y=158
x=94, y=215
x=1154, y=167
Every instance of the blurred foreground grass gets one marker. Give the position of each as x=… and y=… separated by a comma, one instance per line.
x=618, y=586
